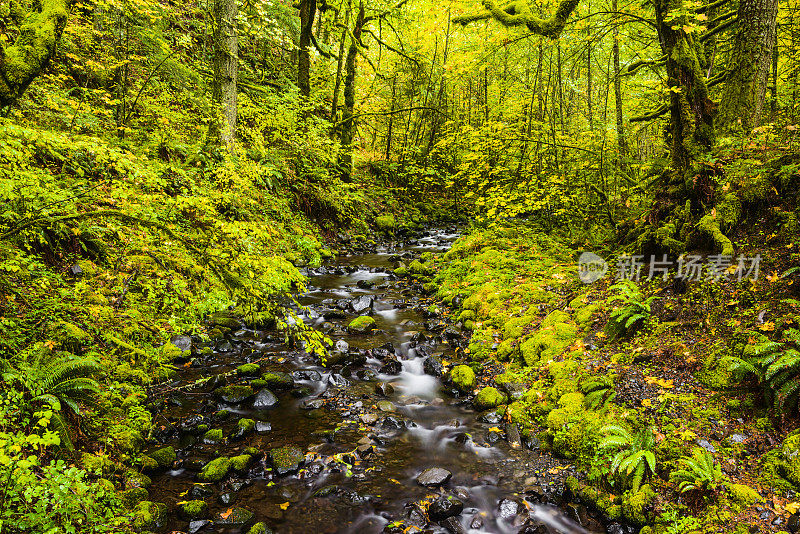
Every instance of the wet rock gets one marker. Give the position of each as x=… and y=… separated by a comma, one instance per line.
x=265, y=400
x=490, y=417
x=533, y=526
x=445, y=507
x=286, y=460
x=706, y=445
x=493, y=436
x=361, y=325
x=164, y=457
x=215, y=470
x=366, y=375
x=514, y=390
x=243, y=428
x=196, y=509
x=737, y=438
x=617, y=528
x=368, y=418
x=334, y=314
x=508, y=508
x=197, y=526
x=148, y=515
x=312, y=404
x=200, y=491
x=234, y=394
x=384, y=388
x=352, y=357
x=278, y=381
x=307, y=374
x=337, y=380
x=433, y=366
x=513, y=436
x=235, y=517
x=227, y=498
x=391, y=424
x=392, y=367
x=361, y=303
x=248, y=369
x=433, y=477
x=341, y=346
x=794, y=523
x=385, y=406
x=300, y=392
x=184, y=343
x=381, y=353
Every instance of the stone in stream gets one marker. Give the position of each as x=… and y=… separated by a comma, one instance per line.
x=234, y=394
x=487, y=398
x=286, y=460
x=337, y=380
x=196, y=509
x=361, y=303
x=200, y=491
x=381, y=353
x=508, y=508
x=433, y=477
x=312, y=404
x=277, y=381
x=368, y=418
x=361, y=325
x=243, y=428
x=463, y=378
x=262, y=427
x=196, y=526
x=385, y=406
x=513, y=436
x=384, y=388
x=391, y=367
x=164, y=457
x=235, y=517
x=453, y=525
x=532, y=526
x=183, y=342
x=445, y=507
x=433, y=366
x=265, y=400
x=248, y=369
x=215, y=470
x=307, y=374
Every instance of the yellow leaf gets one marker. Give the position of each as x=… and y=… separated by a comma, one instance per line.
x=284, y=506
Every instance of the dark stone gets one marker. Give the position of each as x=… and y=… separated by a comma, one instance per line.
x=337, y=380
x=433, y=366
x=265, y=400
x=453, y=525
x=794, y=522
x=532, y=526
x=302, y=391
x=391, y=423
x=307, y=374
x=490, y=417
x=361, y=303
x=76, y=270
x=201, y=491
x=312, y=404
x=384, y=388
x=435, y=476
x=227, y=498
x=445, y=507
x=182, y=342
x=286, y=460
x=391, y=367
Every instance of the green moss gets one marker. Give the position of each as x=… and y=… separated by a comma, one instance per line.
x=259, y=528
x=131, y=497
x=277, y=380
x=248, y=369
x=361, y=325
x=148, y=515
x=247, y=425
x=487, y=398
x=638, y=507
x=286, y=459
x=234, y=394
x=196, y=509
x=463, y=378
x=126, y=439
x=215, y=470
x=466, y=315
x=214, y=435
x=418, y=268
x=97, y=463
x=744, y=495
x=401, y=271
x=583, y=316
x=790, y=455
x=241, y=462
x=385, y=223
x=556, y=333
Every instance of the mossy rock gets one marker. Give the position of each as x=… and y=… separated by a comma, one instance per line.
x=286, y=460
x=260, y=528
x=241, y=463
x=148, y=515
x=555, y=334
x=790, y=454
x=134, y=479
x=132, y=497
x=744, y=495
x=248, y=369
x=385, y=223
x=638, y=507
x=276, y=380
x=463, y=378
x=246, y=425
x=236, y=394
x=215, y=470
x=213, y=436
x=69, y=336
x=126, y=439
x=487, y=398
x=418, y=268
x=401, y=271
x=361, y=325
x=98, y=463
x=196, y=509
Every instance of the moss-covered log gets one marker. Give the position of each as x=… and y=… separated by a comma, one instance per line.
x=24, y=60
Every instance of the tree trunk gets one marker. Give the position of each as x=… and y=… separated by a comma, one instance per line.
x=748, y=74
x=24, y=60
x=621, y=141
x=226, y=66
x=308, y=10
x=348, y=124
x=339, y=64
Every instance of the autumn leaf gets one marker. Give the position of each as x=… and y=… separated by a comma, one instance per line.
x=284, y=506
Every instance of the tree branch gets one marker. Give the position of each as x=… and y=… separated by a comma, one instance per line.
x=518, y=13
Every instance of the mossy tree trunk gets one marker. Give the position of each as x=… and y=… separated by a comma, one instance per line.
x=226, y=67
x=348, y=124
x=308, y=10
x=28, y=56
x=751, y=59
x=621, y=140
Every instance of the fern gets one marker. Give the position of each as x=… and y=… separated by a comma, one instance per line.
x=634, y=308
x=698, y=473
x=634, y=460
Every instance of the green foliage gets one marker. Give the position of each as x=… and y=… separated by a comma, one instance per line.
x=633, y=309
x=699, y=474
x=774, y=366
x=634, y=460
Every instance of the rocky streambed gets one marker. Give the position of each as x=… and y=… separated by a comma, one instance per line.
x=373, y=441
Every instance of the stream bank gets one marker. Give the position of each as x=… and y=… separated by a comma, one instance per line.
x=374, y=441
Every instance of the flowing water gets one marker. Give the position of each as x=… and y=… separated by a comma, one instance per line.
x=365, y=443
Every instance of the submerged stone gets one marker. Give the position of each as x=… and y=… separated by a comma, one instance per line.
x=286, y=460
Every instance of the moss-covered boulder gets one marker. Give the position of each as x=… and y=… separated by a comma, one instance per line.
x=417, y=268
x=126, y=439
x=638, y=507
x=361, y=325
x=260, y=528
x=215, y=470
x=488, y=397
x=241, y=463
x=213, y=436
x=286, y=460
x=97, y=463
x=196, y=509
x=235, y=517
x=790, y=454
x=277, y=381
x=385, y=223
x=234, y=394
x=148, y=515
x=463, y=378
x=248, y=369
x=555, y=334
x=134, y=479
x=133, y=496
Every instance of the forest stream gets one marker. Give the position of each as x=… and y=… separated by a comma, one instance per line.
x=374, y=440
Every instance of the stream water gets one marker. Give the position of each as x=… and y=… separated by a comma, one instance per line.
x=368, y=425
